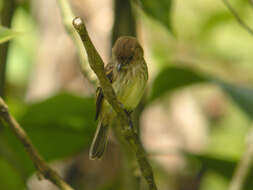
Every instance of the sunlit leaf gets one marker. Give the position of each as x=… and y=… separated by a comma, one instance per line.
x=214, y=20
x=6, y=34
x=159, y=10
x=172, y=78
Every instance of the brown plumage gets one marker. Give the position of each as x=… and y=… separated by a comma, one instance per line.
x=127, y=48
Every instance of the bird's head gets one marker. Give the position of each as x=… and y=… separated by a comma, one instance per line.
x=126, y=52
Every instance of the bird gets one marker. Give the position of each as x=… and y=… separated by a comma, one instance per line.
x=128, y=74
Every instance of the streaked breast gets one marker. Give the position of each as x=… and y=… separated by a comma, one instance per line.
x=129, y=86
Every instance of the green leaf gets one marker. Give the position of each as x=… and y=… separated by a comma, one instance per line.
x=243, y=96
x=6, y=34
x=172, y=78
x=59, y=127
x=10, y=179
x=223, y=167
x=159, y=10
x=214, y=20
x=9, y=155
x=64, y=110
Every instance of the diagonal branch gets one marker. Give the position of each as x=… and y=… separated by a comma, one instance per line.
x=240, y=21
x=97, y=65
x=41, y=166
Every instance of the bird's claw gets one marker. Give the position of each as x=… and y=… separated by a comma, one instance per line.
x=128, y=113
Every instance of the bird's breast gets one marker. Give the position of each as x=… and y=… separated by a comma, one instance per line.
x=129, y=86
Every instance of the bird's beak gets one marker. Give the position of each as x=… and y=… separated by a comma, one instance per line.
x=119, y=66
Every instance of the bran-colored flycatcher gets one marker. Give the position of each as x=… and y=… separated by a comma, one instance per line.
x=128, y=74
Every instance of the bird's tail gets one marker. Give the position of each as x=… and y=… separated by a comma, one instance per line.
x=99, y=142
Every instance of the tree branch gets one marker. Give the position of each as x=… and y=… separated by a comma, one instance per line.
x=97, y=65
x=67, y=16
x=41, y=166
x=240, y=21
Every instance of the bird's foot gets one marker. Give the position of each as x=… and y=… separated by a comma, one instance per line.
x=128, y=113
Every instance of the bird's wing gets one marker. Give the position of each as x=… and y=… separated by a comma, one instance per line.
x=99, y=91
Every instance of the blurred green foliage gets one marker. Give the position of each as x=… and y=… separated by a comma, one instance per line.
x=22, y=50
x=208, y=37
x=159, y=11
x=172, y=78
x=217, y=172
x=242, y=95
x=59, y=127
x=10, y=179
x=6, y=34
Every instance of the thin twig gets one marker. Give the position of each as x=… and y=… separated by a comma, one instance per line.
x=244, y=165
x=97, y=65
x=42, y=168
x=236, y=15
x=67, y=16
